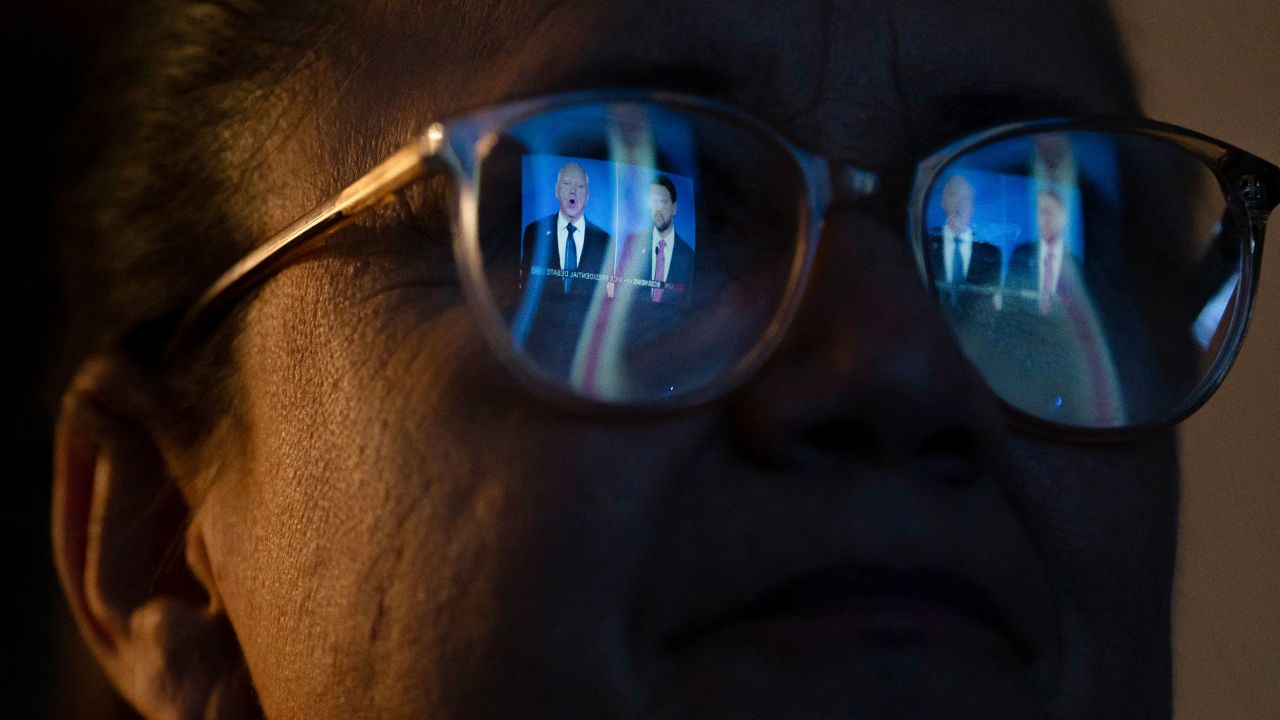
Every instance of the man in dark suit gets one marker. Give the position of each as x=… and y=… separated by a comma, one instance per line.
x=659, y=253
x=551, y=320
x=966, y=269
x=566, y=241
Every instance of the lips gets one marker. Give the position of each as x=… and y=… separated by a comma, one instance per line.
x=845, y=611
x=881, y=572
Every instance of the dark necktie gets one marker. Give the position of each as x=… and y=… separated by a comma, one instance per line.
x=957, y=268
x=659, y=269
x=570, y=263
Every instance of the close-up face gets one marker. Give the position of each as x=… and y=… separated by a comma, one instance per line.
x=395, y=526
x=572, y=191
x=663, y=209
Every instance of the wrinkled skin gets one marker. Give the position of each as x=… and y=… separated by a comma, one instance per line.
x=572, y=191
x=398, y=529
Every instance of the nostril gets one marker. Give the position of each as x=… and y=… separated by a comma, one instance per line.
x=956, y=443
x=847, y=437
x=957, y=450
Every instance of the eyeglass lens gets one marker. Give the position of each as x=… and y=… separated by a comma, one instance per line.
x=638, y=253
x=1092, y=278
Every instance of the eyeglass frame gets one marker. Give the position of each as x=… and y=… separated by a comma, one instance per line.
x=1249, y=184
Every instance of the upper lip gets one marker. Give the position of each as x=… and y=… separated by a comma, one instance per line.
x=847, y=587
x=866, y=550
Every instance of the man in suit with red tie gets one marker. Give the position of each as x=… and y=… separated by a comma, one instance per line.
x=566, y=241
x=1040, y=270
x=660, y=253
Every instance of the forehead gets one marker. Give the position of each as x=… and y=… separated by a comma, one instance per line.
x=865, y=82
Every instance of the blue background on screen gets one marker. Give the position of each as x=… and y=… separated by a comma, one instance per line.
x=1004, y=208
x=610, y=183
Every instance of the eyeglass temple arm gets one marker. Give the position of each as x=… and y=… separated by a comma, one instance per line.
x=375, y=187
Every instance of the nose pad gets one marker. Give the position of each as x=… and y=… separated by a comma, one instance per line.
x=868, y=372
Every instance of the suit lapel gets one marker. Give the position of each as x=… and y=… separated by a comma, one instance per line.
x=681, y=262
x=592, y=258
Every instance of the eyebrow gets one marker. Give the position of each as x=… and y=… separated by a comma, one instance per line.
x=730, y=74
x=939, y=120
x=944, y=119
x=951, y=117
x=690, y=78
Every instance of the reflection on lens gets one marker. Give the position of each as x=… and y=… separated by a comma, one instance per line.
x=637, y=253
x=1089, y=276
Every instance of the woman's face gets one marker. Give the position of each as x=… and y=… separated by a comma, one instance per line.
x=398, y=529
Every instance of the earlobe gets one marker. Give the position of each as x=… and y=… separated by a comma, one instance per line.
x=136, y=576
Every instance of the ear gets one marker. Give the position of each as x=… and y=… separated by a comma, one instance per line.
x=135, y=571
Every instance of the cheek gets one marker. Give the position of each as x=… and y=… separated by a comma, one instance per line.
x=1113, y=512
x=418, y=524
x=1105, y=521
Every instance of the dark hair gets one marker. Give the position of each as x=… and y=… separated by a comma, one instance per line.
x=162, y=146
x=665, y=182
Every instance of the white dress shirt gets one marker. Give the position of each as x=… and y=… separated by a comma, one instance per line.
x=562, y=236
x=1049, y=284
x=949, y=238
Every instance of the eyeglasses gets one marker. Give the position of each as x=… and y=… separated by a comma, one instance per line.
x=648, y=250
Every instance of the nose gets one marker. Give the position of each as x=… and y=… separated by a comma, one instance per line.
x=868, y=373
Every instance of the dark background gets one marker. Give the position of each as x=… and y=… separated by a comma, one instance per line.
x=1215, y=67
x=37, y=95
x=44, y=51
x=1212, y=67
